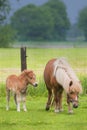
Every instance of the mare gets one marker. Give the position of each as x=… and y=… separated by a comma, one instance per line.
x=59, y=76
x=18, y=85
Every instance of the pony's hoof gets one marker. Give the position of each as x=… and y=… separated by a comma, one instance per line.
x=70, y=112
x=61, y=110
x=56, y=111
x=47, y=108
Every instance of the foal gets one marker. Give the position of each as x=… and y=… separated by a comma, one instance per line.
x=18, y=85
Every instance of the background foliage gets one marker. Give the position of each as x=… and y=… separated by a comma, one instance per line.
x=82, y=21
x=46, y=22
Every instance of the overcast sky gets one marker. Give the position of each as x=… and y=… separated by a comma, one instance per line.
x=73, y=6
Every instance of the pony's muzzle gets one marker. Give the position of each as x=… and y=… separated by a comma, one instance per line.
x=75, y=105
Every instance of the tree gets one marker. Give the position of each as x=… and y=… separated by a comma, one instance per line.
x=4, y=9
x=32, y=23
x=82, y=21
x=74, y=33
x=61, y=21
x=46, y=22
x=6, y=32
x=6, y=35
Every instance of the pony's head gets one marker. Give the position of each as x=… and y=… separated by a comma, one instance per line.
x=31, y=78
x=73, y=91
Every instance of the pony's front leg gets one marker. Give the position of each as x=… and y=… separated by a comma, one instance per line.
x=60, y=102
x=23, y=96
x=49, y=100
x=69, y=106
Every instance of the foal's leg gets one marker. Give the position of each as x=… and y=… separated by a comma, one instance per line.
x=15, y=99
x=23, y=96
x=7, y=98
x=49, y=100
x=18, y=98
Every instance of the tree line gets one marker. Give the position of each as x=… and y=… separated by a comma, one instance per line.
x=48, y=22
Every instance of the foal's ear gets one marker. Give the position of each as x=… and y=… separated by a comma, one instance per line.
x=70, y=84
x=25, y=71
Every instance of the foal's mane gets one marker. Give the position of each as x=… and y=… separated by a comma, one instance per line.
x=22, y=75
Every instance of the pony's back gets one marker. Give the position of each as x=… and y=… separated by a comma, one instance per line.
x=63, y=63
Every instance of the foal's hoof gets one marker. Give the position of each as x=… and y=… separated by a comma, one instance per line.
x=7, y=108
x=25, y=110
x=18, y=110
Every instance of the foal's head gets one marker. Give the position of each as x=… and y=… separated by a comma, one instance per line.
x=72, y=95
x=31, y=77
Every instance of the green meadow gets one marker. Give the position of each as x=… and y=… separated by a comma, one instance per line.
x=36, y=118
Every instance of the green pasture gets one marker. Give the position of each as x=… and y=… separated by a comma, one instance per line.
x=36, y=118
x=37, y=58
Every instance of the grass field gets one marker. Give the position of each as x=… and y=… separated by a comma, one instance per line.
x=36, y=118
x=37, y=59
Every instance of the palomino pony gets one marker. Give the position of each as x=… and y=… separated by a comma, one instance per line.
x=59, y=76
x=18, y=85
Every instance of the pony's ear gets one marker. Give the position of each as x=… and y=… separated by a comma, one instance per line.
x=70, y=84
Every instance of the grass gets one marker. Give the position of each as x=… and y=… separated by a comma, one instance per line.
x=36, y=118
x=37, y=59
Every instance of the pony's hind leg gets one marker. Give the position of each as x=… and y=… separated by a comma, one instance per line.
x=49, y=100
x=56, y=99
x=7, y=99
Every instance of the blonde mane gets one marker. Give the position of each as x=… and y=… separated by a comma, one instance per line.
x=64, y=75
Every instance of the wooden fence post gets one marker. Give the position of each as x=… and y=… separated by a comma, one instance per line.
x=23, y=58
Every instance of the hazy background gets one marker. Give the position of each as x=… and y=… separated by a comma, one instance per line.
x=73, y=6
